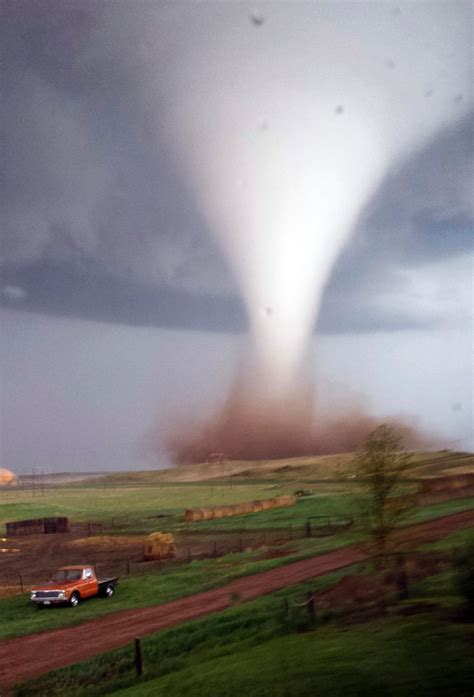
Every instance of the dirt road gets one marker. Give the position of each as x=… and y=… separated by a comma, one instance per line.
x=33, y=655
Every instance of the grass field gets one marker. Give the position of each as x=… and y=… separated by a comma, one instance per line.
x=135, y=504
x=256, y=649
x=237, y=651
x=133, y=508
x=19, y=617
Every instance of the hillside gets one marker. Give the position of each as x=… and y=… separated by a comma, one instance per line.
x=309, y=468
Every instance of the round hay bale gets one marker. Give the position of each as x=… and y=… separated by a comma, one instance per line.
x=257, y=506
x=285, y=500
x=208, y=513
x=193, y=514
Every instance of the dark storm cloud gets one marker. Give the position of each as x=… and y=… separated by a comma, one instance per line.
x=421, y=215
x=96, y=223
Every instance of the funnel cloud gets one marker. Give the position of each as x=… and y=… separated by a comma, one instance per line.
x=342, y=90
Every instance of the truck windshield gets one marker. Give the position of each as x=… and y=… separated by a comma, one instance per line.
x=67, y=575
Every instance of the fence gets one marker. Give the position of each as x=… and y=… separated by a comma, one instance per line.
x=191, y=545
x=37, y=526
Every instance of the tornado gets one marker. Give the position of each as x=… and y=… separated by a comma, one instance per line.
x=282, y=129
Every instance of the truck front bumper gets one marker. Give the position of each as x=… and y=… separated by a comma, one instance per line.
x=46, y=601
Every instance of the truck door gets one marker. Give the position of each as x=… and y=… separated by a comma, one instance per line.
x=89, y=582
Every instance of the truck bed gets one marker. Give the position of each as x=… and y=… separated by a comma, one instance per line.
x=106, y=581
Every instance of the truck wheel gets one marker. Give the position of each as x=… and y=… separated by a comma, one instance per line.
x=74, y=600
x=109, y=591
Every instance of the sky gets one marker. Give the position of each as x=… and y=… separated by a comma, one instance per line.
x=121, y=302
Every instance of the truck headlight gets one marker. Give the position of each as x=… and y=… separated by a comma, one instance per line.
x=62, y=595
x=33, y=594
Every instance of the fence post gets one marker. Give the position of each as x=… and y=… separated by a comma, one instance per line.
x=307, y=529
x=90, y=529
x=402, y=578
x=138, y=657
x=311, y=608
x=189, y=555
x=128, y=566
x=21, y=582
x=287, y=614
x=240, y=542
x=215, y=550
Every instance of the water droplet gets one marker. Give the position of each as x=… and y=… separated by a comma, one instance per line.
x=257, y=19
x=339, y=109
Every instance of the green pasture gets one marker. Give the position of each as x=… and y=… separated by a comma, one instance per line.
x=84, y=503
x=102, y=504
x=133, y=508
x=20, y=616
x=258, y=648
x=394, y=658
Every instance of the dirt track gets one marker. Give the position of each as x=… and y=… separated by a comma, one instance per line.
x=33, y=655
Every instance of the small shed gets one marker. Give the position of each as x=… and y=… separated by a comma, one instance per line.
x=38, y=526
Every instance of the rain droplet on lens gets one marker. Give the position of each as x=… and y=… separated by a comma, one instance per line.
x=389, y=63
x=458, y=98
x=429, y=93
x=257, y=19
x=339, y=109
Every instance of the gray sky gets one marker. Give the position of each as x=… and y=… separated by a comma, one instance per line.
x=119, y=299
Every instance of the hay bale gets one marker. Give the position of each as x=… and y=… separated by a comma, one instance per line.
x=193, y=514
x=159, y=545
x=257, y=506
x=197, y=514
x=281, y=501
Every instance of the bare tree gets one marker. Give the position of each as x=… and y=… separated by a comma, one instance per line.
x=381, y=467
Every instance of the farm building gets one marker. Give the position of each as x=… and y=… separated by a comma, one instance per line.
x=7, y=478
x=38, y=526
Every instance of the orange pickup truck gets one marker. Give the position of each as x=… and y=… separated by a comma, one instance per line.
x=70, y=584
